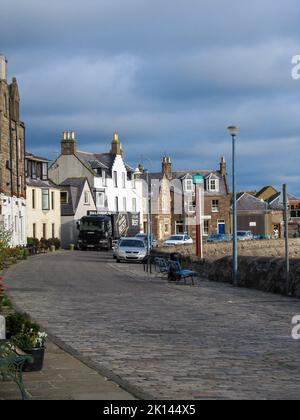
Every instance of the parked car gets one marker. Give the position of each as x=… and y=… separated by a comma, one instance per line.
x=144, y=237
x=179, y=240
x=219, y=237
x=245, y=235
x=131, y=249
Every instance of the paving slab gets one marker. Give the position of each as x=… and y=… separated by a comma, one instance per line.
x=64, y=378
x=162, y=340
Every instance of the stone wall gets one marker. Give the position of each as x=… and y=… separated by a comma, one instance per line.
x=262, y=248
x=261, y=273
x=265, y=273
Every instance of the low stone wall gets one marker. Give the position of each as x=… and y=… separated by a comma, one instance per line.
x=262, y=273
x=259, y=248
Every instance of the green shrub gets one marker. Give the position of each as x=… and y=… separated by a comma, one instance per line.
x=17, y=323
x=55, y=242
x=32, y=242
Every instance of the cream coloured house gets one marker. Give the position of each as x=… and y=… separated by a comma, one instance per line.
x=43, y=200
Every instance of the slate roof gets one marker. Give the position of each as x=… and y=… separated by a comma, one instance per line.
x=99, y=161
x=247, y=202
x=38, y=183
x=181, y=175
x=274, y=201
x=74, y=187
x=30, y=156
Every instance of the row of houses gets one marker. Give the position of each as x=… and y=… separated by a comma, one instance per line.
x=44, y=199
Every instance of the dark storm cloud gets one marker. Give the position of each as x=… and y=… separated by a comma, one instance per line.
x=168, y=75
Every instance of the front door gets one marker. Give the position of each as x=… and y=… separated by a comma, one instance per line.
x=221, y=228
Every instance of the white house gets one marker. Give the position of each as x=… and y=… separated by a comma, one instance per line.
x=115, y=186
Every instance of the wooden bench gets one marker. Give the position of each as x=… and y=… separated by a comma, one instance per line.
x=11, y=366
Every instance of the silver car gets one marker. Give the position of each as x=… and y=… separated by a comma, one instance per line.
x=131, y=249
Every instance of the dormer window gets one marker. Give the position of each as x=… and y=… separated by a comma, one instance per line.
x=212, y=184
x=189, y=185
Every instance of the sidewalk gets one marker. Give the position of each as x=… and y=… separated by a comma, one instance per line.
x=64, y=378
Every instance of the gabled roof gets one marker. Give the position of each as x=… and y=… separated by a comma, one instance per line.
x=275, y=201
x=99, y=160
x=74, y=187
x=182, y=175
x=247, y=202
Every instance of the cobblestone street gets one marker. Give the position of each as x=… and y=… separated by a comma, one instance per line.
x=211, y=341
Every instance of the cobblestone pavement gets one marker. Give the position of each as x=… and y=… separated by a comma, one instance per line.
x=64, y=378
x=211, y=341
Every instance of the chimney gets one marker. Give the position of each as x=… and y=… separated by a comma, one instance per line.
x=167, y=167
x=3, y=67
x=223, y=169
x=68, y=143
x=116, y=148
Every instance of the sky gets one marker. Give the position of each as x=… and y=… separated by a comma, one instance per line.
x=168, y=75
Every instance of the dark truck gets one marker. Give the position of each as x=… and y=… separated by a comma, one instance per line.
x=100, y=231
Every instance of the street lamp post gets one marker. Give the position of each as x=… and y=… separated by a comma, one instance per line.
x=149, y=216
x=233, y=131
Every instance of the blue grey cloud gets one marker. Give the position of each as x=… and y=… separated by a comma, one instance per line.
x=168, y=75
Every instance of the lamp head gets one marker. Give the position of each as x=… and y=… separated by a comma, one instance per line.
x=233, y=130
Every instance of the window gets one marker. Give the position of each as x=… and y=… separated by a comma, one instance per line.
x=103, y=178
x=206, y=228
x=100, y=199
x=166, y=228
x=45, y=200
x=191, y=206
x=124, y=204
x=44, y=171
x=215, y=206
x=52, y=200
x=33, y=170
x=34, y=230
x=33, y=199
x=64, y=197
x=86, y=198
x=115, y=178
x=189, y=185
x=123, y=179
x=44, y=231
x=19, y=149
x=213, y=184
x=116, y=204
x=53, y=230
x=5, y=105
x=134, y=205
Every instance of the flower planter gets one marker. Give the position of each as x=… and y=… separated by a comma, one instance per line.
x=38, y=360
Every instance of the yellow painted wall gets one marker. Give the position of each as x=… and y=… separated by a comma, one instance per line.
x=39, y=217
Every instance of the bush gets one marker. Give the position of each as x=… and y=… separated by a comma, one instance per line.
x=5, y=238
x=54, y=242
x=17, y=323
x=32, y=242
x=44, y=243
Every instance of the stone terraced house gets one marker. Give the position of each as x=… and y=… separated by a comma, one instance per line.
x=173, y=204
x=12, y=159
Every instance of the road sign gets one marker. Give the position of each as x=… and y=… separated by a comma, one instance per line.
x=198, y=179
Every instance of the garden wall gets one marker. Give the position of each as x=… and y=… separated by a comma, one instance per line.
x=259, y=248
x=262, y=273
